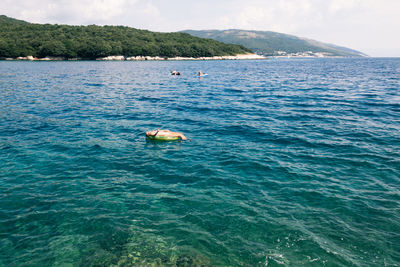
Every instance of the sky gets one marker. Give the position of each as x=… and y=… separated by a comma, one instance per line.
x=370, y=26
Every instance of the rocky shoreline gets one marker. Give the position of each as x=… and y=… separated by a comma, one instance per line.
x=143, y=58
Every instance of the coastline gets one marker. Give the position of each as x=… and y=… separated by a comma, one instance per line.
x=141, y=58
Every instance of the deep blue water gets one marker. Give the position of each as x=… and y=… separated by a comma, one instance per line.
x=290, y=162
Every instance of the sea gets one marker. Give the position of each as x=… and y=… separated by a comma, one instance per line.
x=288, y=162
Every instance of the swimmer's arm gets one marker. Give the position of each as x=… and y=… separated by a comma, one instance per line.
x=182, y=136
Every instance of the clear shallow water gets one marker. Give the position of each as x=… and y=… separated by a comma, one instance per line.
x=290, y=162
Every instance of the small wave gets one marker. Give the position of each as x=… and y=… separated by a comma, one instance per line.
x=94, y=84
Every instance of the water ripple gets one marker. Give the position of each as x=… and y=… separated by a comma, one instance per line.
x=294, y=162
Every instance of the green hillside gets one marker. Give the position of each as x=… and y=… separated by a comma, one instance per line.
x=273, y=43
x=4, y=20
x=20, y=38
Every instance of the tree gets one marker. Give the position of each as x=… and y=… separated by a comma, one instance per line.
x=90, y=42
x=53, y=48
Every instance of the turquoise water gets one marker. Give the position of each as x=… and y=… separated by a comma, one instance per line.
x=290, y=162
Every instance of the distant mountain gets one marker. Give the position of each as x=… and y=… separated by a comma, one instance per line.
x=275, y=44
x=21, y=39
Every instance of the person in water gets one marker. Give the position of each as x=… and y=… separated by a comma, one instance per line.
x=174, y=72
x=168, y=133
x=200, y=73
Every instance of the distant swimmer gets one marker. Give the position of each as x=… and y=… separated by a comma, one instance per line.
x=200, y=73
x=165, y=135
x=174, y=72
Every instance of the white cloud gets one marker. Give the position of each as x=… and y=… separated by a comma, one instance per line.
x=283, y=16
x=78, y=11
x=63, y=11
x=338, y=5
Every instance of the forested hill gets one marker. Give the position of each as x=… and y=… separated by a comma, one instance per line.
x=20, y=38
x=274, y=44
x=4, y=20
